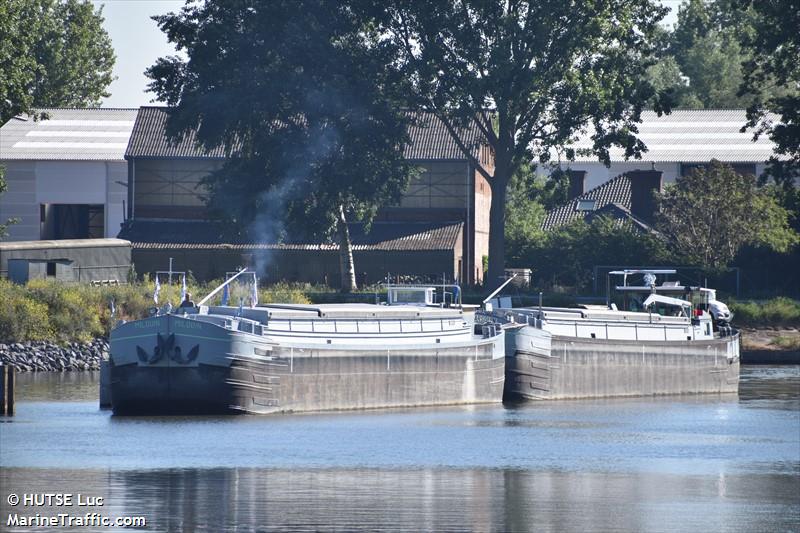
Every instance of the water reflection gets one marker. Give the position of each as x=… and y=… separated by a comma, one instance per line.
x=698, y=463
x=427, y=499
x=756, y=382
x=58, y=386
x=771, y=382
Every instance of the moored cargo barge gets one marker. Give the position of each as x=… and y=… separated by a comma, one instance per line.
x=656, y=344
x=296, y=358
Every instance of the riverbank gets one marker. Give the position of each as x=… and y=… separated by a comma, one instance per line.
x=43, y=356
x=770, y=346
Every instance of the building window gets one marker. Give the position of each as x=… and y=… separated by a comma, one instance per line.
x=586, y=205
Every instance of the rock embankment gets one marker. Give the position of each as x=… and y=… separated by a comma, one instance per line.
x=47, y=356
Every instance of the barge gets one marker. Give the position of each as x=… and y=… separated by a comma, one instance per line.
x=297, y=358
x=657, y=344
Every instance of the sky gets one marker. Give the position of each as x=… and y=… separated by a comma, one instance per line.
x=138, y=43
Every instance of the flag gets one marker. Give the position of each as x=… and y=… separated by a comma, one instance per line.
x=254, y=292
x=183, y=288
x=113, y=308
x=226, y=294
x=241, y=306
x=156, y=290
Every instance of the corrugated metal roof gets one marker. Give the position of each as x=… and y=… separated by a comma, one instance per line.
x=386, y=236
x=693, y=136
x=63, y=243
x=429, y=139
x=612, y=198
x=149, y=139
x=96, y=134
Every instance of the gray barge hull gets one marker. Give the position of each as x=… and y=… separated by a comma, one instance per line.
x=170, y=365
x=540, y=366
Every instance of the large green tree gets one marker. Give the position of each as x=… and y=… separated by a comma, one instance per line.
x=709, y=52
x=52, y=54
x=774, y=45
x=709, y=215
x=529, y=75
x=301, y=96
x=700, y=61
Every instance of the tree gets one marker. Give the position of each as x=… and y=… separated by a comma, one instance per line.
x=713, y=66
x=529, y=75
x=306, y=108
x=667, y=78
x=709, y=215
x=705, y=46
x=703, y=60
x=567, y=255
x=774, y=45
x=524, y=213
x=75, y=56
x=52, y=54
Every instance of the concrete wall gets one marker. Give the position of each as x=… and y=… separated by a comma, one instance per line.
x=33, y=183
x=20, y=201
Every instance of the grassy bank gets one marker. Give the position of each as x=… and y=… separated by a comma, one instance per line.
x=47, y=310
x=775, y=313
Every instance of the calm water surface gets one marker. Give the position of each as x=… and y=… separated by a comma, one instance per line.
x=688, y=463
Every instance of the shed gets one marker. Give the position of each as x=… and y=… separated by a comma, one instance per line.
x=69, y=260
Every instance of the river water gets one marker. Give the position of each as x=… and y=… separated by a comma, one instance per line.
x=682, y=463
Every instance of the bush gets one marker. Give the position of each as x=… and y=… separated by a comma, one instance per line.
x=21, y=317
x=284, y=293
x=74, y=310
x=778, y=312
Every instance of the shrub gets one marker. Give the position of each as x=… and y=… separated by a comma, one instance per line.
x=284, y=293
x=21, y=317
x=782, y=312
x=74, y=310
x=778, y=312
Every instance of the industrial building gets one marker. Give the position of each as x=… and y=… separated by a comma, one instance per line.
x=440, y=226
x=66, y=173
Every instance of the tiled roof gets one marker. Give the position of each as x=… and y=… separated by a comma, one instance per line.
x=149, y=139
x=387, y=236
x=429, y=139
x=95, y=134
x=688, y=136
x=612, y=198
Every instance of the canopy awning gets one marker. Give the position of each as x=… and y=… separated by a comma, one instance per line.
x=658, y=298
